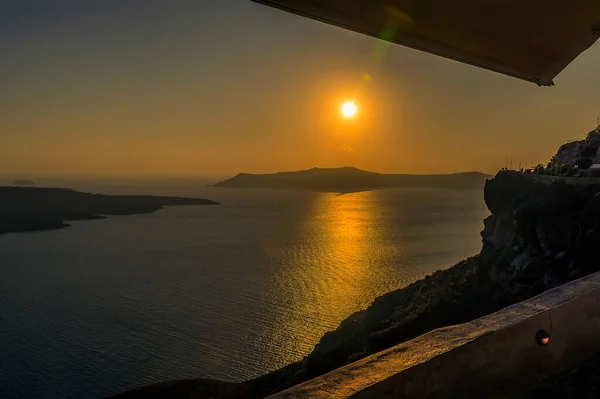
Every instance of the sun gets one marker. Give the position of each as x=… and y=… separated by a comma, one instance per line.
x=349, y=109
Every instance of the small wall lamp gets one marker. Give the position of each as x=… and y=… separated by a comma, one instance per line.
x=542, y=338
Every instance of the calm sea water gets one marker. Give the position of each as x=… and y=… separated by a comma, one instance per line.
x=227, y=292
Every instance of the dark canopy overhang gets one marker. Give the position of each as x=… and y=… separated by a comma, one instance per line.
x=532, y=40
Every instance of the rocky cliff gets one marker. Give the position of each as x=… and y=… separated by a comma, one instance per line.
x=543, y=231
x=570, y=153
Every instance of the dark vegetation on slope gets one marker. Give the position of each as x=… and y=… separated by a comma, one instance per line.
x=352, y=179
x=30, y=208
x=543, y=232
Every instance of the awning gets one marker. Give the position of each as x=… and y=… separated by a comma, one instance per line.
x=532, y=40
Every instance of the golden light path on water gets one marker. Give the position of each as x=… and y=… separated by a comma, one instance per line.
x=329, y=272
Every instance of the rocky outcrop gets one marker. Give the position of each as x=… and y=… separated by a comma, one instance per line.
x=543, y=231
x=569, y=153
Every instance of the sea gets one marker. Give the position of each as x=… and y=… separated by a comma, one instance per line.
x=228, y=292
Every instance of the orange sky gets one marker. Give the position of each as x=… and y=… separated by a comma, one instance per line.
x=217, y=88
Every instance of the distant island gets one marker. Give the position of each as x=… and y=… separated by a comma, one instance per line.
x=31, y=208
x=350, y=179
x=23, y=182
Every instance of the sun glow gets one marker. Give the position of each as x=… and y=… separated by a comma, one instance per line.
x=349, y=109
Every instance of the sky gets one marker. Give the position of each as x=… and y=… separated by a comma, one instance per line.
x=217, y=87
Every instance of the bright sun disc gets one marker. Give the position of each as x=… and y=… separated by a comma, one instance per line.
x=349, y=109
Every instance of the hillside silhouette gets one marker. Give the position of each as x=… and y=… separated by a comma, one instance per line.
x=349, y=179
x=31, y=208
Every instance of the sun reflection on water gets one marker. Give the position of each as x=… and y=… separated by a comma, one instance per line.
x=329, y=272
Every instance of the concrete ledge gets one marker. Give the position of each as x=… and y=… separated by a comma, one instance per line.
x=494, y=356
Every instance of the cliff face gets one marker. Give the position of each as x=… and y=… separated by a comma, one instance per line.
x=543, y=231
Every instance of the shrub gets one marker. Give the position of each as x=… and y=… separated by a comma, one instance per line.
x=540, y=170
x=589, y=152
x=584, y=163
